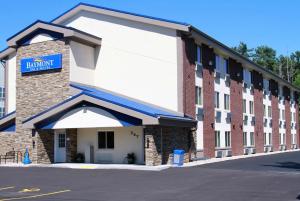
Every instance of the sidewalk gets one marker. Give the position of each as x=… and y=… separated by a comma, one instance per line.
x=140, y=167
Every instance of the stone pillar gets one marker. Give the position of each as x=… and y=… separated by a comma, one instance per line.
x=208, y=61
x=236, y=106
x=44, y=150
x=71, y=144
x=258, y=111
x=160, y=142
x=38, y=91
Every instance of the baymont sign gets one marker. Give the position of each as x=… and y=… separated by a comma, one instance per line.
x=41, y=63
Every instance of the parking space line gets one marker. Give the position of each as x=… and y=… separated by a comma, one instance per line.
x=36, y=196
x=5, y=188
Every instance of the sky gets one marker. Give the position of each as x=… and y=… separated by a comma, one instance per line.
x=256, y=22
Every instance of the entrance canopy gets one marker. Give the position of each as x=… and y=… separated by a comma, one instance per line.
x=93, y=107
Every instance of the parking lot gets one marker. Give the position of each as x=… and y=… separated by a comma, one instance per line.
x=273, y=177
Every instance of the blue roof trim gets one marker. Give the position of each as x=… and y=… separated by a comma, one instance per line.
x=125, y=12
x=124, y=119
x=53, y=107
x=11, y=127
x=49, y=23
x=108, y=97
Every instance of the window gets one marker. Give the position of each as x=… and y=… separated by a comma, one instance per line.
x=270, y=138
x=198, y=95
x=282, y=138
x=294, y=116
x=227, y=66
x=266, y=84
x=265, y=112
x=199, y=54
x=265, y=138
x=2, y=111
x=226, y=102
x=227, y=139
x=245, y=138
x=217, y=100
x=244, y=106
x=269, y=111
x=217, y=138
x=222, y=65
x=61, y=140
x=283, y=114
x=106, y=140
x=251, y=107
x=2, y=92
x=252, y=138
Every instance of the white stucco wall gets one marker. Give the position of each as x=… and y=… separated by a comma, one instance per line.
x=11, y=82
x=87, y=117
x=40, y=38
x=125, y=142
x=82, y=63
x=135, y=59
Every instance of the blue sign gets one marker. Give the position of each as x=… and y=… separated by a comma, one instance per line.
x=41, y=63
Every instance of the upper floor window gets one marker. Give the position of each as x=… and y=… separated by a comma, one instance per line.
x=222, y=65
x=244, y=106
x=269, y=111
x=199, y=54
x=198, y=95
x=282, y=114
x=265, y=112
x=266, y=84
x=217, y=100
x=247, y=76
x=226, y=102
x=251, y=107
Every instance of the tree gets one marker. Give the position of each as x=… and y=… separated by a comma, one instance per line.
x=243, y=49
x=266, y=57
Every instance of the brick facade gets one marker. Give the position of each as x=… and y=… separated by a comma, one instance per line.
x=38, y=91
x=275, y=114
x=287, y=98
x=189, y=52
x=236, y=106
x=208, y=61
x=160, y=143
x=258, y=111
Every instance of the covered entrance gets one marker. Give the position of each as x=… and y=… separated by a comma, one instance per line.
x=98, y=127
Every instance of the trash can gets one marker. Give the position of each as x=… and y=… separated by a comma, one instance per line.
x=178, y=157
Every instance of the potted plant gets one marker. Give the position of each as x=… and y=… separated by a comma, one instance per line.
x=131, y=158
x=79, y=158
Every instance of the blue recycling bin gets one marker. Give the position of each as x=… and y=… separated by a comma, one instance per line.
x=178, y=157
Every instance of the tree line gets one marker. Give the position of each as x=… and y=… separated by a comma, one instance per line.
x=286, y=66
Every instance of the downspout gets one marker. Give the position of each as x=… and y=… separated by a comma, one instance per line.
x=161, y=145
x=4, y=64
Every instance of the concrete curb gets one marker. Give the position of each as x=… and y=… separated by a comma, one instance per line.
x=87, y=166
x=216, y=160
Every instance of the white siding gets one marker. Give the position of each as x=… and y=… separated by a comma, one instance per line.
x=125, y=142
x=82, y=63
x=135, y=59
x=11, y=82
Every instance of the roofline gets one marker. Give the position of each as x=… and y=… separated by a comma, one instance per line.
x=76, y=34
x=240, y=58
x=7, y=117
x=6, y=52
x=121, y=14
